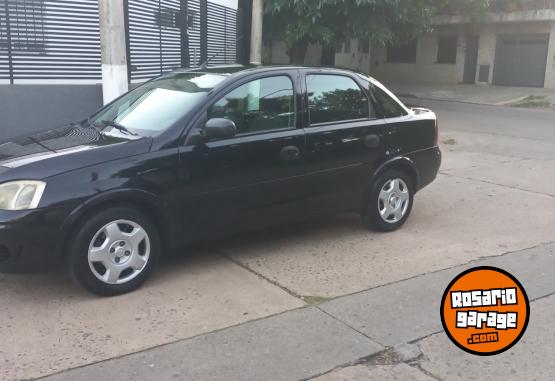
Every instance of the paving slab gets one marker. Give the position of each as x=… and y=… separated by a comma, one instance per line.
x=409, y=310
x=290, y=346
x=455, y=158
x=454, y=221
x=48, y=324
x=396, y=313
x=527, y=174
x=492, y=143
x=530, y=359
x=376, y=373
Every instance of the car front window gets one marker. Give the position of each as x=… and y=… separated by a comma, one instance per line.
x=261, y=105
x=155, y=106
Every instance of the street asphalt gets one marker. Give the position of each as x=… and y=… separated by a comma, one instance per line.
x=324, y=299
x=533, y=124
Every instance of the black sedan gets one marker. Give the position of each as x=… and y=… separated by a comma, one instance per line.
x=197, y=154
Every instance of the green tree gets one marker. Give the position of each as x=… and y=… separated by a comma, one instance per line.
x=300, y=22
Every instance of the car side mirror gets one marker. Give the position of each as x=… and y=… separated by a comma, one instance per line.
x=219, y=128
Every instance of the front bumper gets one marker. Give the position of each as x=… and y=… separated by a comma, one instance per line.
x=30, y=241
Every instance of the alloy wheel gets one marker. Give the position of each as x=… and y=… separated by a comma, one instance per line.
x=119, y=252
x=393, y=200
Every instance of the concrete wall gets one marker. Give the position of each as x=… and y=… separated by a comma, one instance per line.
x=355, y=59
x=313, y=55
x=275, y=53
x=32, y=108
x=425, y=69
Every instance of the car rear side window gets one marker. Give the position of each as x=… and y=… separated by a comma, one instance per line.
x=335, y=98
x=391, y=108
x=261, y=105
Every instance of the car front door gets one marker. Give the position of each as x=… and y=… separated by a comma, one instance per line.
x=344, y=140
x=256, y=177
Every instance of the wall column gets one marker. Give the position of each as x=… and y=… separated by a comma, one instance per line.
x=550, y=68
x=486, y=52
x=256, y=32
x=115, y=80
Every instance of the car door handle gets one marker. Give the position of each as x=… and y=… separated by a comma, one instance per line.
x=349, y=140
x=290, y=153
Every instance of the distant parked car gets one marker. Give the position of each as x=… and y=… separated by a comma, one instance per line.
x=196, y=154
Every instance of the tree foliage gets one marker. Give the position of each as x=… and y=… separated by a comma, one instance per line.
x=300, y=22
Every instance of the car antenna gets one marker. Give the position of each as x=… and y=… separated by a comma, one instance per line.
x=204, y=65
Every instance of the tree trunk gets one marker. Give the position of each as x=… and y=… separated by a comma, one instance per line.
x=297, y=52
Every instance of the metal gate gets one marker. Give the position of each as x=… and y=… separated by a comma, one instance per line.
x=520, y=60
x=48, y=40
x=221, y=34
x=58, y=41
x=166, y=34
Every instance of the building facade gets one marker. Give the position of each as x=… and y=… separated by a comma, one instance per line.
x=51, y=65
x=507, y=48
x=513, y=48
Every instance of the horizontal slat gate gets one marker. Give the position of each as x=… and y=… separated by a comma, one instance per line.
x=4, y=57
x=51, y=40
x=222, y=35
x=154, y=40
x=194, y=33
x=58, y=41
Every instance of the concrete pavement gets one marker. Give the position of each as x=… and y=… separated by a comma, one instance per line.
x=47, y=324
x=338, y=256
x=439, y=359
x=485, y=178
x=485, y=95
x=223, y=310
x=350, y=330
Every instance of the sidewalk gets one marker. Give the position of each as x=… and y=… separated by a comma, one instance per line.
x=385, y=333
x=488, y=95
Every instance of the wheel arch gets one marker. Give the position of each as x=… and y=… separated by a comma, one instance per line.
x=143, y=201
x=401, y=163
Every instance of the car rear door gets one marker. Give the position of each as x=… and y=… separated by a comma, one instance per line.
x=344, y=139
x=255, y=178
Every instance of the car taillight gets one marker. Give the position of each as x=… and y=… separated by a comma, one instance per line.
x=436, y=137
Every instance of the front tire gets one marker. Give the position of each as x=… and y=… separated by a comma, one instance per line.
x=389, y=202
x=114, y=251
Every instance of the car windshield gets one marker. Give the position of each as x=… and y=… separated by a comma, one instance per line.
x=153, y=107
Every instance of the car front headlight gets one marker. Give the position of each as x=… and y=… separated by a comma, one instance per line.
x=21, y=195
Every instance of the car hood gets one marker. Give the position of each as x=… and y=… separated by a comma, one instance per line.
x=52, y=152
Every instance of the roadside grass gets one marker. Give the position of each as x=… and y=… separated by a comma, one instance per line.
x=315, y=300
x=534, y=101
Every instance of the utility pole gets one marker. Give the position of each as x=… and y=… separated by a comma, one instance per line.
x=256, y=32
x=115, y=79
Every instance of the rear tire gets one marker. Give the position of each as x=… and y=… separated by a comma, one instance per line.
x=389, y=201
x=114, y=251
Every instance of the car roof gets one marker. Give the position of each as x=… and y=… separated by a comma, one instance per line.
x=235, y=72
x=249, y=69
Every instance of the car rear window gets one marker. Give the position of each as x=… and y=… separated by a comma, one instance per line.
x=335, y=98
